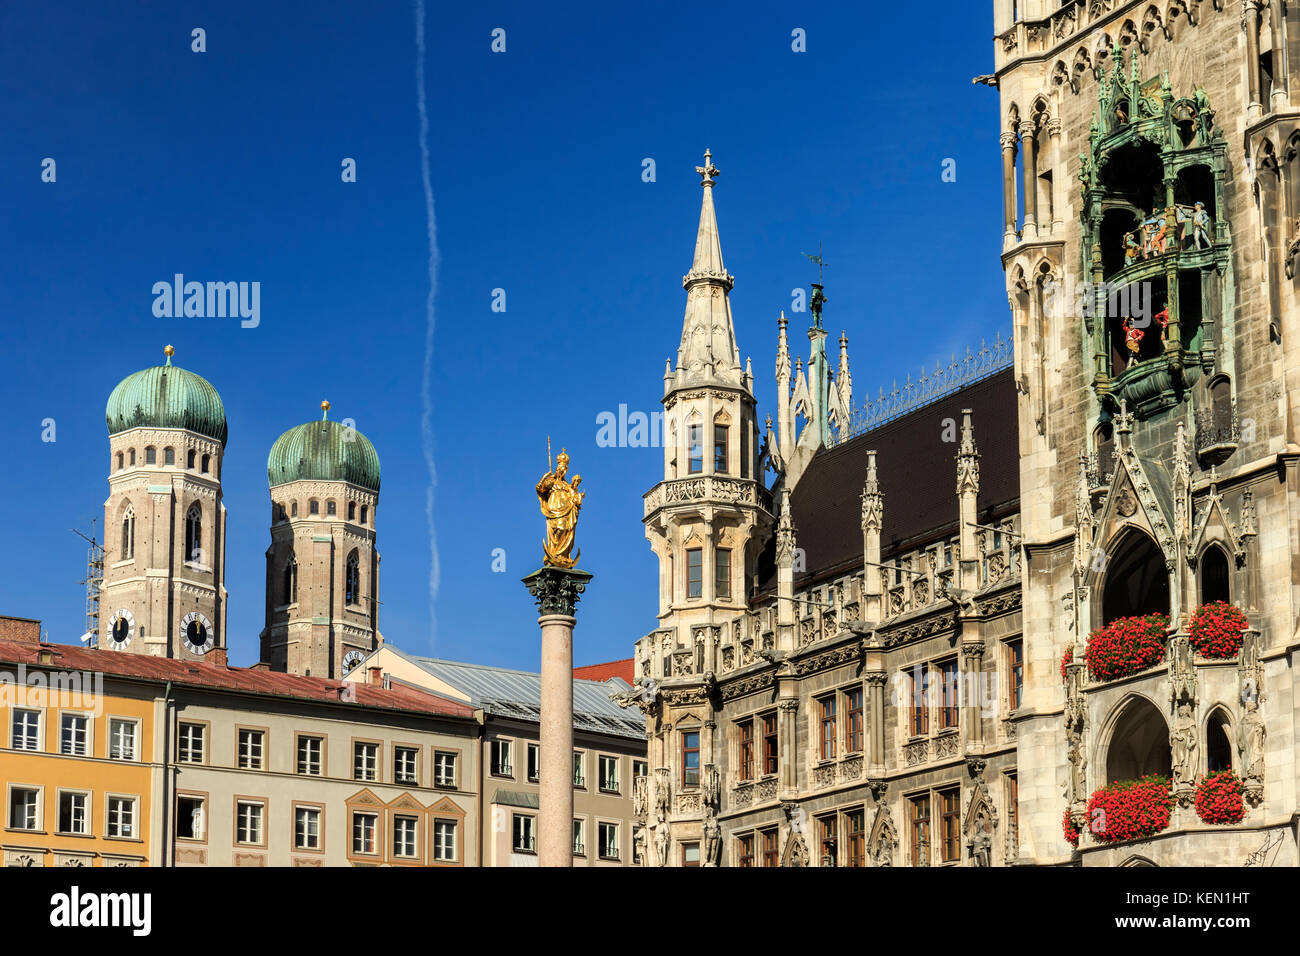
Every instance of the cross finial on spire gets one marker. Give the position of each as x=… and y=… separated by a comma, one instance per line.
x=708, y=170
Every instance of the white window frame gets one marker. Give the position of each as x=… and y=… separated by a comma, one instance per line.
x=534, y=762
x=579, y=837
x=414, y=753
x=311, y=740
x=505, y=745
x=580, y=769
x=441, y=759
x=131, y=802
x=409, y=836
x=260, y=736
x=86, y=812
x=37, y=816
x=373, y=817
x=365, y=761
x=529, y=830
x=441, y=847
x=88, y=734
x=617, y=777
x=602, y=826
x=318, y=813
x=14, y=741
x=244, y=835
x=184, y=742
x=113, y=724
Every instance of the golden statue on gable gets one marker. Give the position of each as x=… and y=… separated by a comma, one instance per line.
x=560, y=501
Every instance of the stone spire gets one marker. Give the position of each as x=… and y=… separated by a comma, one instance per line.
x=708, y=353
x=873, y=511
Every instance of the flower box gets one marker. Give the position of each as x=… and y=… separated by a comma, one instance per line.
x=1130, y=809
x=1126, y=645
x=1216, y=630
x=1219, y=798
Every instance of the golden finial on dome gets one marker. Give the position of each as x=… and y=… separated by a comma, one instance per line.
x=169, y=352
x=324, y=410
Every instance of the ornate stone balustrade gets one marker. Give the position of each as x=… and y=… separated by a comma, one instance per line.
x=712, y=488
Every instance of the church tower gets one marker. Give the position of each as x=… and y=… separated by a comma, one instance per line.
x=322, y=568
x=164, y=587
x=707, y=519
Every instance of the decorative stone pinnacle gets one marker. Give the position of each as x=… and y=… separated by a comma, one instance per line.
x=708, y=170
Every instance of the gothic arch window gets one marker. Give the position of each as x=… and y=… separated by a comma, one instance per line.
x=695, y=445
x=169, y=456
x=194, y=534
x=290, y=584
x=204, y=464
x=721, y=432
x=189, y=459
x=1221, y=404
x=1139, y=742
x=128, y=534
x=1215, y=580
x=352, y=588
x=1218, y=741
x=119, y=461
x=150, y=455
x=1136, y=581
x=352, y=511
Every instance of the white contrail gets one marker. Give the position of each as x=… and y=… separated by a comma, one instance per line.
x=426, y=417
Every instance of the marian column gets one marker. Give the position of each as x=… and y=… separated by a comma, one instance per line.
x=556, y=586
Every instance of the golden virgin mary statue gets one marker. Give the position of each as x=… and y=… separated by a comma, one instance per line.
x=560, y=502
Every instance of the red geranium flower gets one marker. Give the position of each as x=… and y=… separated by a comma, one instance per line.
x=1216, y=629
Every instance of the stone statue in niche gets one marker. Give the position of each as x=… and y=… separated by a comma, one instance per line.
x=712, y=841
x=1250, y=741
x=661, y=845
x=1182, y=747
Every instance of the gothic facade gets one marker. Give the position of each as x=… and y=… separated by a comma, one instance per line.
x=904, y=676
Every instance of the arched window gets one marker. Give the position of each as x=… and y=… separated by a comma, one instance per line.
x=352, y=587
x=1139, y=744
x=128, y=534
x=364, y=510
x=203, y=466
x=720, y=435
x=331, y=508
x=1136, y=581
x=695, y=446
x=313, y=507
x=169, y=456
x=293, y=509
x=1215, y=579
x=189, y=459
x=1218, y=742
x=1221, y=405
x=352, y=511
x=150, y=456
x=119, y=461
x=131, y=457
x=194, y=535
x=290, y=589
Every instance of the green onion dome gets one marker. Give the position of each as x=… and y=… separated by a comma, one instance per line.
x=167, y=397
x=323, y=451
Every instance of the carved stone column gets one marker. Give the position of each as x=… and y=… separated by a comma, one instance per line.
x=972, y=689
x=1029, y=175
x=557, y=591
x=1008, y=140
x=1058, y=177
x=788, y=744
x=1250, y=23
x=873, y=509
x=876, y=681
x=1281, y=78
x=968, y=486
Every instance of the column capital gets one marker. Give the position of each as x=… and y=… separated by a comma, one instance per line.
x=1027, y=129
x=557, y=590
x=1008, y=139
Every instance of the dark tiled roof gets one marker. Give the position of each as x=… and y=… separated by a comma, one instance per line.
x=917, y=471
x=235, y=679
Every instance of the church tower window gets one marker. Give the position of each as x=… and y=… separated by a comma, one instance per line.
x=313, y=507
x=291, y=581
x=132, y=458
x=293, y=510
x=1214, y=576
x=696, y=449
x=364, y=510
x=331, y=508
x=150, y=456
x=119, y=461
x=169, y=456
x=204, y=466
x=194, y=534
x=720, y=449
x=352, y=510
x=352, y=587
x=128, y=534
x=189, y=459
x=722, y=573
x=694, y=573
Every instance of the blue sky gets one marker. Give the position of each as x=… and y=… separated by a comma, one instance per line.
x=225, y=165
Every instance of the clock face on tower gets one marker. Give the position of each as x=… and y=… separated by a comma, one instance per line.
x=196, y=633
x=351, y=659
x=121, y=627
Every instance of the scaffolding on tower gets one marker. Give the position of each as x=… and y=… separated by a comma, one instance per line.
x=94, y=578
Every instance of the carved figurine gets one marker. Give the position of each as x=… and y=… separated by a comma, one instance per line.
x=1133, y=338
x=640, y=795
x=661, y=845
x=640, y=843
x=1200, y=226
x=1250, y=740
x=712, y=841
x=1182, y=745
x=560, y=502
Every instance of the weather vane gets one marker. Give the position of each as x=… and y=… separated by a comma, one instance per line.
x=818, y=261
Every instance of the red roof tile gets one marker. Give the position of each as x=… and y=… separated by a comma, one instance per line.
x=602, y=672
x=242, y=680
